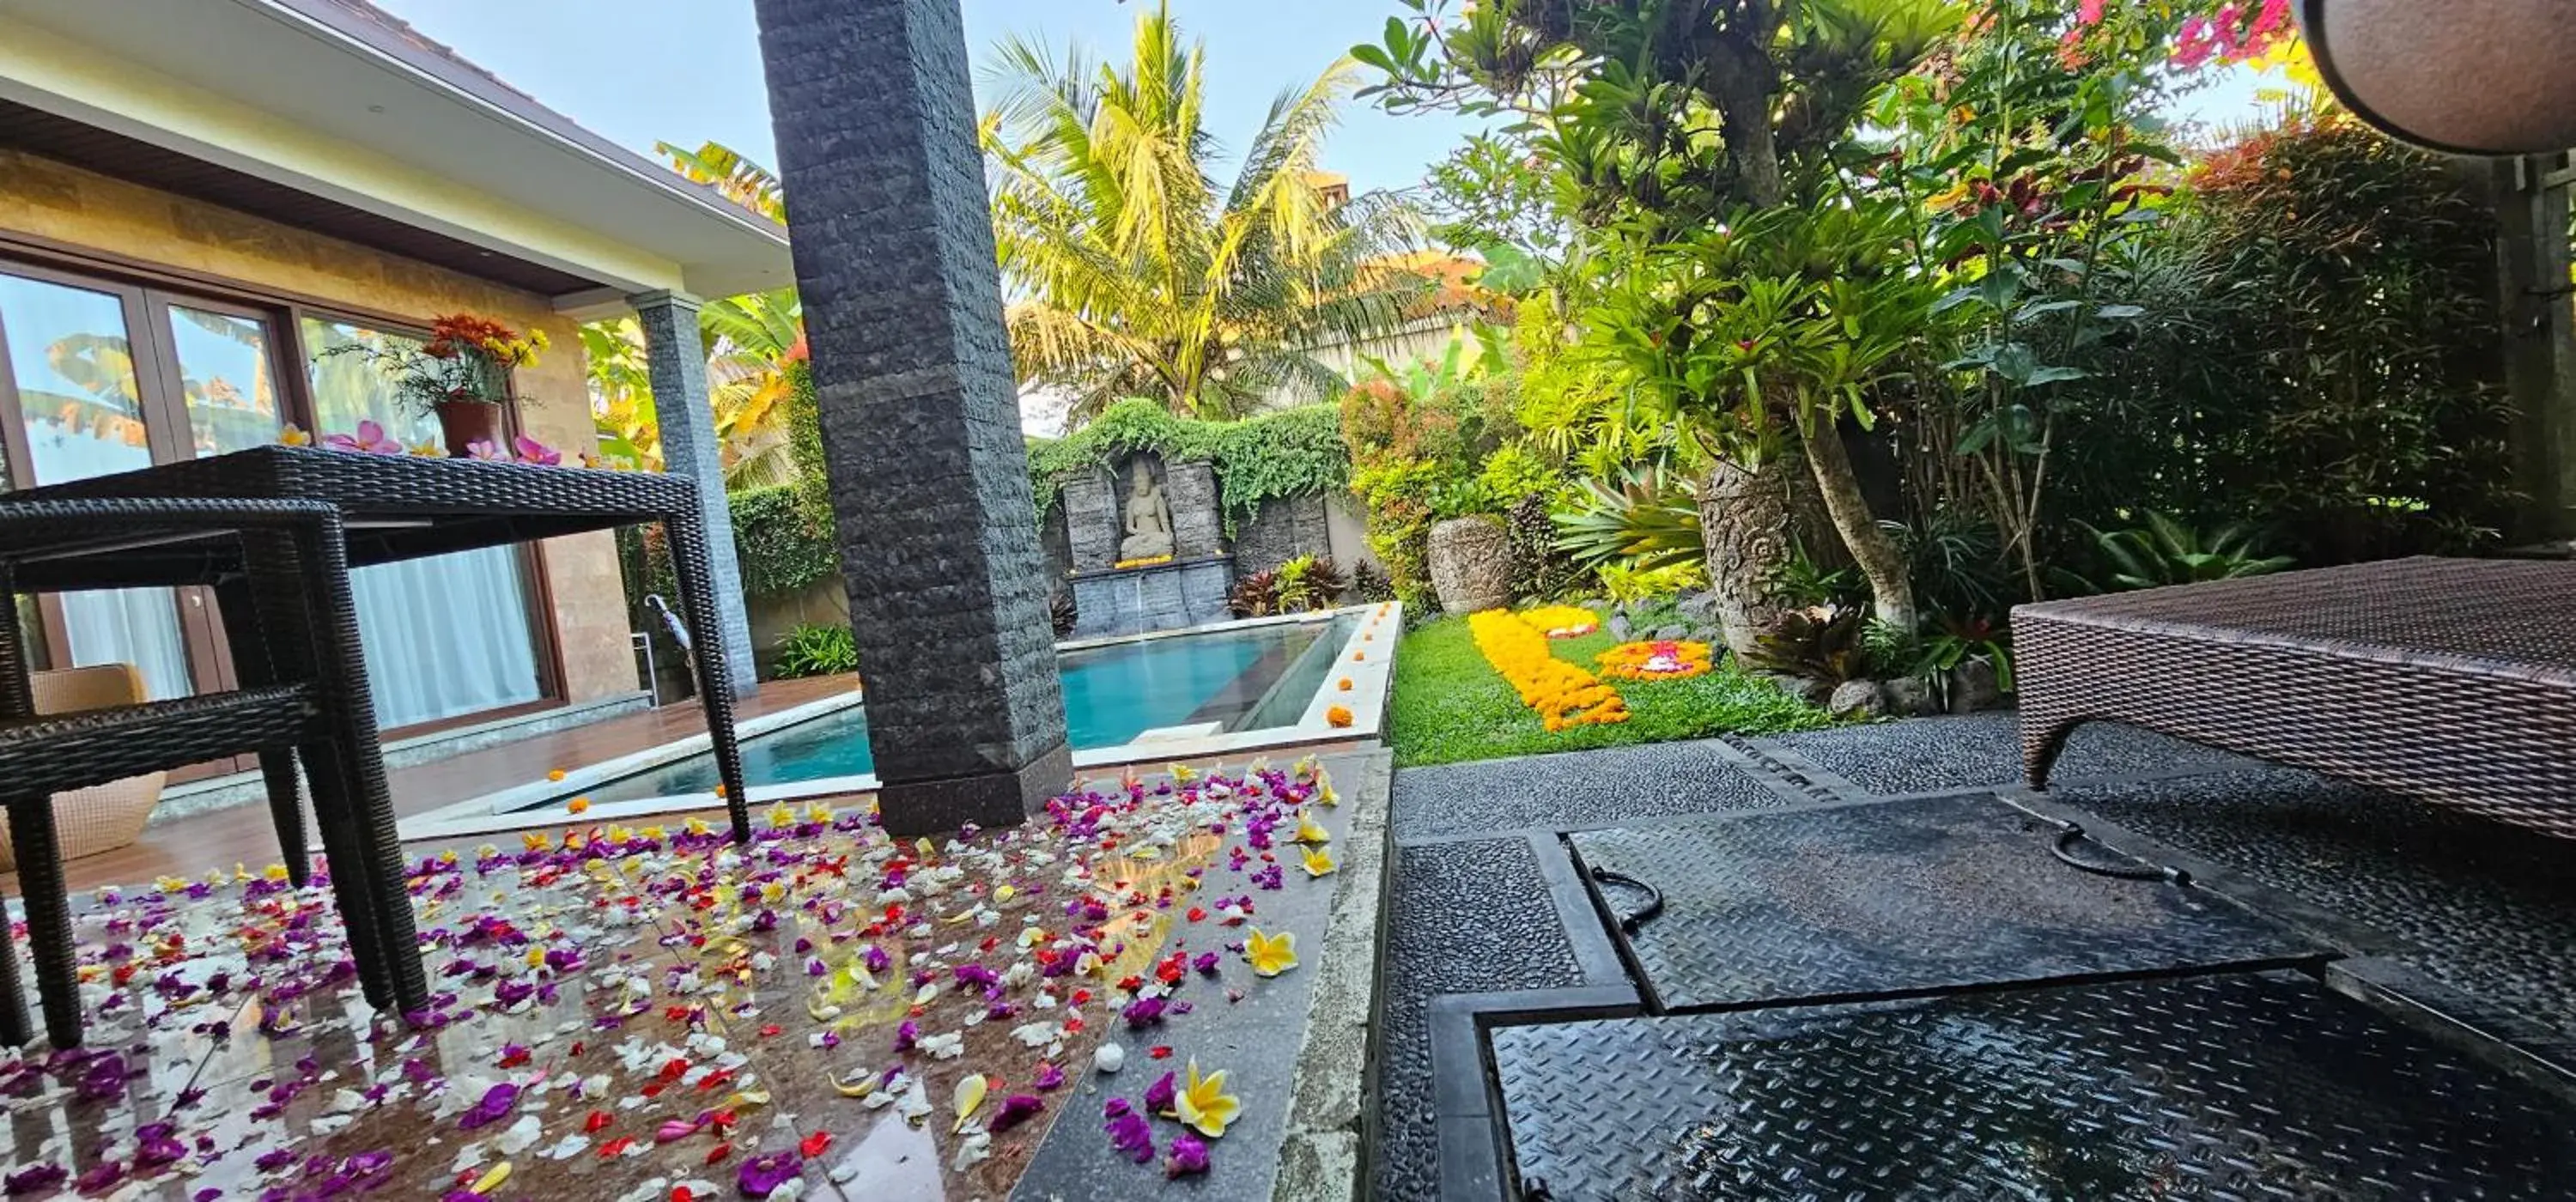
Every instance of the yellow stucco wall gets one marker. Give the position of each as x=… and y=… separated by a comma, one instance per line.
x=68, y=205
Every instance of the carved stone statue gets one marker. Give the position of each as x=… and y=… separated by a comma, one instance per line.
x=1148, y=518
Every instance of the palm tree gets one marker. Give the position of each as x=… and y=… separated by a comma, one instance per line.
x=1130, y=273
x=750, y=340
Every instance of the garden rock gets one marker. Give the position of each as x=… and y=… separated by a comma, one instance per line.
x=1973, y=687
x=1856, y=699
x=1911, y=697
x=1471, y=565
x=1700, y=608
x=1804, y=688
x=1672, y=634
x=1618, y=626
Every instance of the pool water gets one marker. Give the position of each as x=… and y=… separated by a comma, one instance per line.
x=1112, y=693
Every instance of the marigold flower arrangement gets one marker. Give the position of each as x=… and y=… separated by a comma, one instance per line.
x=1564, y=695
x=1145, y=562
x=1662, y=659
x=1562, y=621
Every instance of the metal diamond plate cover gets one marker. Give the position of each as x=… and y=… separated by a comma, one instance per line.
x=2232, y=1086
x=1895, y=897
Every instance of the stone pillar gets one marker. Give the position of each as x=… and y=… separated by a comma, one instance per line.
x=1198, y=530
x=677, y=360
x=921, y=423
x=1091, y=521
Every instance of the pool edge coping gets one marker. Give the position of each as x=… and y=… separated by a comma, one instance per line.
x=1371, y=680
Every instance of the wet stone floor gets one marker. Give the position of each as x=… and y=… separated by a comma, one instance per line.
x=648, y=1013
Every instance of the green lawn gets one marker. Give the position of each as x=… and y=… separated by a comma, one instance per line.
x=1451, y=705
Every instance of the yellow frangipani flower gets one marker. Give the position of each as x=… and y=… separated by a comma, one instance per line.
x=536, y=841
x=1270, y=955
x=781, y=818
x=698, y=826
x=1311, y=831
x=294, y=436
x=654, y=833
x=1319, y=862
x=1182, y=774
x=1204, y=1104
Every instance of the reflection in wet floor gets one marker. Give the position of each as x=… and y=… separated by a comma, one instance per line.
x=623, y=1012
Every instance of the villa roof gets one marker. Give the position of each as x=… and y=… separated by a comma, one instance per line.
x=338, y=116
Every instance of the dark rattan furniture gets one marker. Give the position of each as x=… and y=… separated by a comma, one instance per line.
x=2449, y=680
x=304, y=690
x=404, y=507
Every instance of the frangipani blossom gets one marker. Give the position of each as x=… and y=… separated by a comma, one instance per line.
x=1319, y=862
x=532, y=451
x=1204, y=1104
x=486, y=451
x=370, y=438
x=1271, y=955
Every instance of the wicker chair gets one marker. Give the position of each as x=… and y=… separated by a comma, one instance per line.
x=304, y=695
x=101, y=817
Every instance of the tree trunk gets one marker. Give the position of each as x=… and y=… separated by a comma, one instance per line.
x=1746, y=520
x=1871, y=548
x=1740, y=83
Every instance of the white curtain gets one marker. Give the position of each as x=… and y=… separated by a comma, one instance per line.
x=136, y=626
x=446, y=636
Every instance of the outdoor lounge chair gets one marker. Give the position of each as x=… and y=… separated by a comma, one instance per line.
x=304, y=695
x=2448, y=680
x=101, y=817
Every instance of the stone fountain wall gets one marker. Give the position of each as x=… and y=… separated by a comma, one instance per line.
x=1190, y=590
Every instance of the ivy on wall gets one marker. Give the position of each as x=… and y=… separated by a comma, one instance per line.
x=1289, y=453
x=783, y=534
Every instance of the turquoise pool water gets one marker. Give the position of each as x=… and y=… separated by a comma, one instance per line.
x=1112, y=694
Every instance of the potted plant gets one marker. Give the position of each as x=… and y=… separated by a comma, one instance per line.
x=461, y=376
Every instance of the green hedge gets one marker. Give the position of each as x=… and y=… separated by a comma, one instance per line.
x=781, y=547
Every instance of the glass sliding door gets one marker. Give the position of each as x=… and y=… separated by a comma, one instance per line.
x=445, y=636
x=80, y=402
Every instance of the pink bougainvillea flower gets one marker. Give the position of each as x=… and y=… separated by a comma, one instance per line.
x=1049, y=1076
x=1016, y=1109
x=1189, y=1155
x=494, y=1106
x=2088, y=12
x=532, y=451
x=1129, y=1132
x=761, y=1176
x=1159, y=1095
x=370, y=438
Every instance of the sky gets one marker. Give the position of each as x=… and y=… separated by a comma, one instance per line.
x=688, y=71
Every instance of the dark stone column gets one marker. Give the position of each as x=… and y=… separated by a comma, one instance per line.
x=1091, y=521
x=903, y=309
x=1198, y=530
x=677, y=361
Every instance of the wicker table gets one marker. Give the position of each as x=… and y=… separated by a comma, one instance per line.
x=2450, y=680
x=401, y=507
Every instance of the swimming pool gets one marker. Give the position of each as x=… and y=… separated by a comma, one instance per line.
x=1225, y=680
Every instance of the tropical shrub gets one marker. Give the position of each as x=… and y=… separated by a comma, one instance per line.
x=1307, y=582
x=815, y=649
x=2164, y=551
x=1628, y=584
x=2362, y=414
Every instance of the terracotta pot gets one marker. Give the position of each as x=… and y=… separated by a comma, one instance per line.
x=1471, y=565
x=465, y=423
